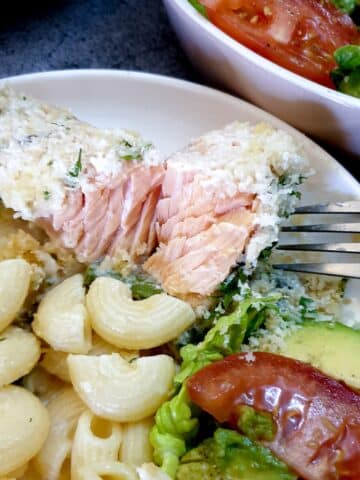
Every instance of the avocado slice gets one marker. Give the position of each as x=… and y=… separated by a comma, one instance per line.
x=229, y=455
x=331, y=347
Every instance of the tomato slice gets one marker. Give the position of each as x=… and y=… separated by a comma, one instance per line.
x=317, y=419
x=300, y=35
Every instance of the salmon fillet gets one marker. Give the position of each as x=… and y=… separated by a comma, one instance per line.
x=201, y=233
x=188, y=220
x=114, y=216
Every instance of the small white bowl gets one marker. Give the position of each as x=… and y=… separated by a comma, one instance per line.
x=319, y=111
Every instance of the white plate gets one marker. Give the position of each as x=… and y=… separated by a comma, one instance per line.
x=170, y=112
x=317, y=110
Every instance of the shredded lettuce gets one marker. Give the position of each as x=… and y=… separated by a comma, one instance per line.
x=176, y=421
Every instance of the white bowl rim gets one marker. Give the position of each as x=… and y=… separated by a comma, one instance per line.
x=176, y=83
x=321, y=90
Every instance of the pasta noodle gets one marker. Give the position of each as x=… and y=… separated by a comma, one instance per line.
x=120, y=391
x=62, y=319
x=19, y=472
x=95, y=440
x=19, y=352
x=23, y=428
x=40, y=383
x=14, y=286
x=30, y=473
x=64, y=410
x=130, y=324
x=55, y=362
x=102, y=347
x=149, y=471
x=113, y=470
x=136, y=448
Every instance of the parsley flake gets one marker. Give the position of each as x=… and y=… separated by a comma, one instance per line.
x=135, y=151
x=2, y=339
x=46, y=194
x=77, y=167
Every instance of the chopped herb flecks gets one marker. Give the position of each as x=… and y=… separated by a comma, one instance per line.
x=46, y=194
x=77, y=167
x=129, y=151
x=2, y=339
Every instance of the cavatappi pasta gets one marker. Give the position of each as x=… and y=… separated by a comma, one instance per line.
x=87, y=400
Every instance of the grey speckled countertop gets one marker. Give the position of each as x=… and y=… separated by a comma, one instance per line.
x=40, y=35
x=61, y=34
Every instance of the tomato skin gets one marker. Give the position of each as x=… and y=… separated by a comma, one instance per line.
x=317, y=418
x=300, y=35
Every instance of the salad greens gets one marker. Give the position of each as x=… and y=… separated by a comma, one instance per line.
x=176, y=422
x=141, y=286
x=229, y=455
x=346, y=76
x=225, y=294
x=347, y=6
x=200, y=8
x=237, y=319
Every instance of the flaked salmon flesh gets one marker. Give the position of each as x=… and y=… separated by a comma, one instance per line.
x=113, y=216
x=201, y=234
x=190, y=236
x=187, y=220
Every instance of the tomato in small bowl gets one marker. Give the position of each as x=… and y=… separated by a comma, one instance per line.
x=279, y=55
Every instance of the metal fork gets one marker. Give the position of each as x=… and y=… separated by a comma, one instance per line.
x=346, y=270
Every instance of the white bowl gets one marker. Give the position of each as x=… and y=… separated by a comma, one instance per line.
x=314, y=109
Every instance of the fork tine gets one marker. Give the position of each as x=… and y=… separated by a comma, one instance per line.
x=323, y=247
x=345, y=270
x=338, y=207
x=330, y=227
